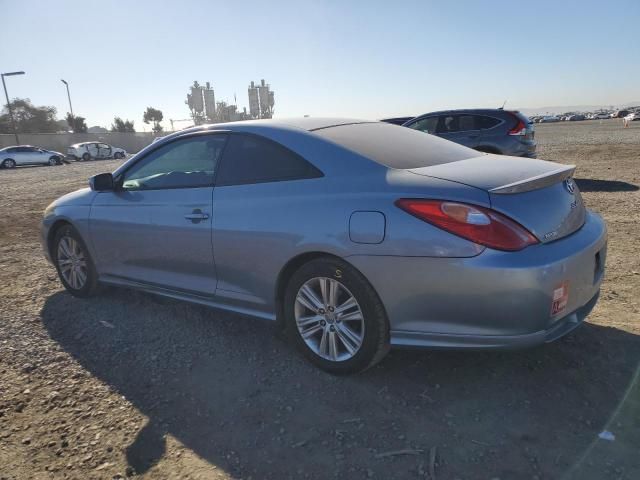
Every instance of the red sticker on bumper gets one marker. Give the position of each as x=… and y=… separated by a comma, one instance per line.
x=560, y=298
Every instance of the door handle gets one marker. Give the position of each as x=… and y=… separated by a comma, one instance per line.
x=197, y=215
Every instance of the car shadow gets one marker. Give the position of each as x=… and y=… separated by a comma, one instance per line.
x=593, y=185
x=244, y=401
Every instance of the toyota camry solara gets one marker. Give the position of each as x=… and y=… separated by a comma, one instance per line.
x=353, y=236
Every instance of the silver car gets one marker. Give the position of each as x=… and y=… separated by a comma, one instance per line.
x=11, y=157
x=352, y=236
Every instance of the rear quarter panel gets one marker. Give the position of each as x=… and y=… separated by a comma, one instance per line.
x=258, y=228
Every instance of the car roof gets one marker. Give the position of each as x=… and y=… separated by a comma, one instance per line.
x=304, y=123
x=16, y=146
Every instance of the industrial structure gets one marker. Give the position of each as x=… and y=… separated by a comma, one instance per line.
x=204, y=108
x=261, y=100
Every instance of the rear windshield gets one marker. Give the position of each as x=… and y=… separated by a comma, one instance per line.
x=394, y=146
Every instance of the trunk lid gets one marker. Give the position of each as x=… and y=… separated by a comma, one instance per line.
x=539, y=195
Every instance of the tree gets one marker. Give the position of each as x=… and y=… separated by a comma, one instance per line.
x=122, y=126
x=28, y=118
x=153, y=115
x=76, y=123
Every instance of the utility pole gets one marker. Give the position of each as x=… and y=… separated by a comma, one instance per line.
x=68, y=95
x=4, y=85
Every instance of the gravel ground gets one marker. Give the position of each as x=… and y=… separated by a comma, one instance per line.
x=126, y=384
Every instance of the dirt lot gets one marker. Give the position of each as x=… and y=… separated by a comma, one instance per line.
x=128, y=385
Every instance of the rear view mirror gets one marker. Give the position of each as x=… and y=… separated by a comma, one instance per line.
x=102, y=182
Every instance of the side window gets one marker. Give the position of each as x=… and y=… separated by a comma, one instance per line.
x=466, y=123
x=25, y=149
x=484, y=122
x=187, y=163
x=251, y=159
x=427, y=125
x=456, y=123
x=448, y=124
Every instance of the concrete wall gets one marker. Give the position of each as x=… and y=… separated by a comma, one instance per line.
x=131, y=142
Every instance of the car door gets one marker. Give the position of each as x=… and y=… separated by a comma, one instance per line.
x=155, y=228
x=104, y=150
x=92, y=148
x=459, y=128
x=491, y=134
x=254, y=227
x=25, y=156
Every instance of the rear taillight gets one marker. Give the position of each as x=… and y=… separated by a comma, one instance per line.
x=519, y=129
x=477, y=224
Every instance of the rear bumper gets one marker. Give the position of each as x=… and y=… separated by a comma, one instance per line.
x=496, y=342
x=494, y=300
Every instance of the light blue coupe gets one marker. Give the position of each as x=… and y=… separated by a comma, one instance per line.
x=353, y=235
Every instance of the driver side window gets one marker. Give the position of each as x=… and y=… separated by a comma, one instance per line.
x=427, y=125
x=186, y=163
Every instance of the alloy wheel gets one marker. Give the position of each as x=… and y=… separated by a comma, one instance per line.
x=329, y=319
x=72, y=262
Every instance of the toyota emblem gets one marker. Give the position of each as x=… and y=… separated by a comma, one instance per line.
x=569, y=185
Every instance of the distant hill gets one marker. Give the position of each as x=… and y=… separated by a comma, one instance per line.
x=576, y=108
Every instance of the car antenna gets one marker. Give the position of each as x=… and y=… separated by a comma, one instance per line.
x=503, y=104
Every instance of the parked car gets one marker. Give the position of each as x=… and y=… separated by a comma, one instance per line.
x=487, y=130
x=95, y=150
x=353, y=236
x=575, y=118
x=633, y=116
x=28, y=155
x=600, y=116
x=549, y=119
x=397, y=120
x=620, y=114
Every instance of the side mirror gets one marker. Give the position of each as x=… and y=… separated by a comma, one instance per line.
x=102, y=182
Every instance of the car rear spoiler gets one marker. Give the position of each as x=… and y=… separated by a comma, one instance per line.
x=534, y=183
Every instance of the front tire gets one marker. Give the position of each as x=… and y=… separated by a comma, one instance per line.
x=334, y=316
x=53, y=161
x=86, y=157
x=118, y=155
x=75, y=267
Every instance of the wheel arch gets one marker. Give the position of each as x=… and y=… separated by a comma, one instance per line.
x=51, y=234
x=291, y=267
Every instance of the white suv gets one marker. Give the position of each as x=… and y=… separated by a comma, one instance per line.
x=95, y=150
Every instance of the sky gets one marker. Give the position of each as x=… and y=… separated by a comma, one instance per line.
x=365, y=59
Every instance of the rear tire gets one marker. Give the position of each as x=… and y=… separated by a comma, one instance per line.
x=86, y=157
x=339, y=340
x=75, y=266
x=9, y=163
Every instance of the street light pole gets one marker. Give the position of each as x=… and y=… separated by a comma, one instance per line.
x=68, y=95
x=4, y=85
